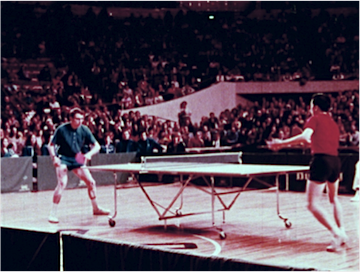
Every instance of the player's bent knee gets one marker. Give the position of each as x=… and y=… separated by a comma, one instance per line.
x=311, y=206
x=61, y=172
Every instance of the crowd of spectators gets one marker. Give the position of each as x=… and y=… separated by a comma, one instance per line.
x=116, y=131
x=114, y=64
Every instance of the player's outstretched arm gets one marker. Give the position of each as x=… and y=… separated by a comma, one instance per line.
x=303, y=138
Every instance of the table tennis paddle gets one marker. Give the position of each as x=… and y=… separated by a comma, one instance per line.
x=80, y=158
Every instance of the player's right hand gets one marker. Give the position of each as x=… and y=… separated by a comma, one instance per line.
x=56, y=161
x=274, y=144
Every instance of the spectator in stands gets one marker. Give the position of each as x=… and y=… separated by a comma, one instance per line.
x=53, y=103
x=108, y=147
x=213, y=121
x=187, y=89
x=177, y=145
x=126, y=144
x=11, y=150
x=45, y=74
x=344, y=136
x=354, y=136
x=158, y=98
x=148, y=146
x=207, y=136
x=197, y=141
x=20, y=141
x=57, y=116
x=13, y=139
x=127, y=102
x=138, y=99
x=232, y=136
x=184, y=116
x=171, y=93
x=7, y=148
x=23, y=74
x=46, y=135
x=73, y=82
x=31, y=148
x=295, y=129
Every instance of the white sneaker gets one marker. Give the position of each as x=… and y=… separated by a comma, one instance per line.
x=335, y=244
x=53, y=219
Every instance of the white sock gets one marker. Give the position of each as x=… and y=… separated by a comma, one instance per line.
x=54, y=208
x=342, y=229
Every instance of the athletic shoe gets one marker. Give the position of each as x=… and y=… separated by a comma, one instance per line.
x=100, y=211
x=53, y=219
x=337, y=242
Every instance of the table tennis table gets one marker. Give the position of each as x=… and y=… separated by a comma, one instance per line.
x=194, y=166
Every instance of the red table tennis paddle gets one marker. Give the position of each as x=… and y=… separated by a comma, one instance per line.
x=80, y=158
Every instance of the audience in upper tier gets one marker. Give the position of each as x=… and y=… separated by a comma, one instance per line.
x=138, y=61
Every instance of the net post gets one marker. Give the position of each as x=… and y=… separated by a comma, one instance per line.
x=143, y=162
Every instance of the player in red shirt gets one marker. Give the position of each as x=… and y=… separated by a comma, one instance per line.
x=322, y=133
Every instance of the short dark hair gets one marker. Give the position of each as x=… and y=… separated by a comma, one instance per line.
x=322, y=101
x=75, y=110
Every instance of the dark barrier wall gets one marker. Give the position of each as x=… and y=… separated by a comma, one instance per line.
x=47, y=176
x=103, y=178
x=16, y=174
x=348, y=162
x=297, y=182
x=97, y=255
x=25, y=250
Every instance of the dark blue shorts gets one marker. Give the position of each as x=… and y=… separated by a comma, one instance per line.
x=70, y=162
x=325, y=168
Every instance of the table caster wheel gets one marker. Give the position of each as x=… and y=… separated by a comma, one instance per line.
x=222, y=235
x=287, y=224
x=112, y=222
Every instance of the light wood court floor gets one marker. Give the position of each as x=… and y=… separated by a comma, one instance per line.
x=254, y=231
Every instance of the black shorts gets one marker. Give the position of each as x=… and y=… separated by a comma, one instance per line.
x=70, y=162
x=325, y=168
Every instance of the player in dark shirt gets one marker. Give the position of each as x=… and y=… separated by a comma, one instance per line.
x=323, y=133
x=65, y=149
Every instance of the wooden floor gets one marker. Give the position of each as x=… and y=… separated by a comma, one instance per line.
x=254, y=231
